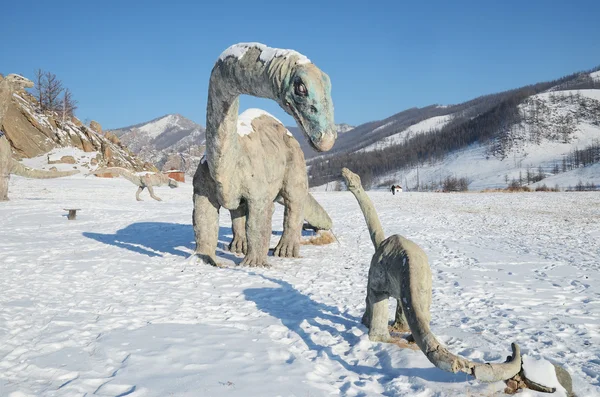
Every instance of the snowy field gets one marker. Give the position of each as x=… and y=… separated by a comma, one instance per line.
x=110, y=305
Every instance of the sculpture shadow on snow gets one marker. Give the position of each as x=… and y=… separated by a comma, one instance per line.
x=294, y=308
x=155, y=239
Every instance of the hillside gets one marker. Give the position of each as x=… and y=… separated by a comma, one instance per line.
x=65, y=144
x=170, y=142
x=489, y=140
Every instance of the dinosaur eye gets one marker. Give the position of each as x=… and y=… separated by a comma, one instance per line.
x=300, y=89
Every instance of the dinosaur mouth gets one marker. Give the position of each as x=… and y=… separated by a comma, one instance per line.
x=298, y=119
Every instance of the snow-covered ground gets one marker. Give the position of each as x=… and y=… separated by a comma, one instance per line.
x=110, y=305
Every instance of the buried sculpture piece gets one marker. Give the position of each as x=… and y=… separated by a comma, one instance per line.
x=252, y=158
x=8, y=165
x=142, y=181
x=400, y=269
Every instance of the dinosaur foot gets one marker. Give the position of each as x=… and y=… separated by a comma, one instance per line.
x=287, y=247
x=209, y=260
x=399, y=327
x=238, y=246
x=254, y=261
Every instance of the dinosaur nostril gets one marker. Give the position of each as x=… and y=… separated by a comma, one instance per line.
x=313, y=109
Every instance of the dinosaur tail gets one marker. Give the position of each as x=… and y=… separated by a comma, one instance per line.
x=130, y=176
x=315, y=214
x=19, y=169
x=415, y=280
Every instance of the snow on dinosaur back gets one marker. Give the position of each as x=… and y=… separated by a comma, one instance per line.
x=267, y=53
x=244, y=123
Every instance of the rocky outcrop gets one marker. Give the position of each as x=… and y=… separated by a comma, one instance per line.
x=32, y=133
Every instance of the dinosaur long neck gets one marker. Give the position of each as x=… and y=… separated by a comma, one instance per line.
x=231, y=77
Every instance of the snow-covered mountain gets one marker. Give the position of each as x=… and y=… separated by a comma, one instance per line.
x=547, y=133
x=343, y=127
x=170, y=142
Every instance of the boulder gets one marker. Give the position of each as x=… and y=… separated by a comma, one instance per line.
x=96, y=127
x=63, y=160
x=112, y=138
x=87, y=146
x=76, y=121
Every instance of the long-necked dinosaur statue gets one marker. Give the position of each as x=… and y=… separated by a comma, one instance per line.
x=400, y=269
x=256, y=164
x=8, y=165
x=147, y=181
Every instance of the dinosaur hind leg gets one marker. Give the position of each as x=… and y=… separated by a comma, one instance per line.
x=238, y=226
x=206, y=215
x=378, y=325
x=137, y=194
x=258, y=232
x=400, y=323
x=151, y=191
x=289, y=244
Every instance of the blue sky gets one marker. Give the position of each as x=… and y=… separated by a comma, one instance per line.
x=131, y=61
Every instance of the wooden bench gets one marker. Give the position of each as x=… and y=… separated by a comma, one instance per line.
x=72, y=213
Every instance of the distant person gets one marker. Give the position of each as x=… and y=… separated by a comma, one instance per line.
x=393, y=190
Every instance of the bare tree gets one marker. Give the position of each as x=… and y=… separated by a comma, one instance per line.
x=68, y=105
x=47, y=90
x=53, y=90
x=39, y=87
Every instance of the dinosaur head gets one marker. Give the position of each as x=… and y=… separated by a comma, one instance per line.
x=307, y=98
x=173, y=183
x=352, y=180
x=18, y=81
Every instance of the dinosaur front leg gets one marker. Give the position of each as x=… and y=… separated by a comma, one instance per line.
x=206, y=215
x=151, y=191
x=258, y=232
x=206, y=227
x=239, y=243
x=137, y=194
x=289, y=244
x=4, y=179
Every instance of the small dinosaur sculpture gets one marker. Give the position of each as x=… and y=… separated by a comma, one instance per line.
x=8, y=165
x=260, y=161
x=142, y=181
x=399, y=268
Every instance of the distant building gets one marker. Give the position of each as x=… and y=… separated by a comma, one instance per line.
x=396, y=189
x=178, y=175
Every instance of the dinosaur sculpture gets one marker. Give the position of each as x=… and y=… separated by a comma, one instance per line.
x=261, y=161
x=8, y=165
x=399, y=268
x=142, y=181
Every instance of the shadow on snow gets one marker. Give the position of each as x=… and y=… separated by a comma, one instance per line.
x=156, y=239
x=299, y=313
